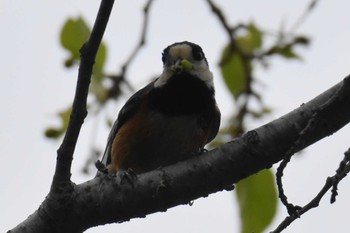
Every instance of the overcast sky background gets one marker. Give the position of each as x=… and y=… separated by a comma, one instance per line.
x=35, y=85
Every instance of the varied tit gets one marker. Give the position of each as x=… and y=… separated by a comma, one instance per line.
x=169, y=120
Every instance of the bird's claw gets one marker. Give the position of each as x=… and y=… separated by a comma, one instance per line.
x=101, y=167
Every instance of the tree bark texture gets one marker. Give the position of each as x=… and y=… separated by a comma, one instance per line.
x=117, y=198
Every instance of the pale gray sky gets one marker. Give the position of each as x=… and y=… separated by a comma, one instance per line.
x=35, y=85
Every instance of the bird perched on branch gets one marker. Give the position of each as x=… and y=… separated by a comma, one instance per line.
x=170, y=119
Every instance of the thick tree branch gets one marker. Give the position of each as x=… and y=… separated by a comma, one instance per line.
x=118, y=198
x=108, y=199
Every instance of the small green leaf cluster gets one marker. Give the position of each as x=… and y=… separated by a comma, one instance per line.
x=239, y=59
x=256, y=195
x=74, y=33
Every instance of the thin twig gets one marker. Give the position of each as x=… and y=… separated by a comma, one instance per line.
x=309, y=127
x=142, y=41
x=79, y=112
x=339, y=173
x=342, y=171
x=304, y=15
x=230, y=31
x=291, y=208
x=120, y=78
x=216, y=10
x=234, y=47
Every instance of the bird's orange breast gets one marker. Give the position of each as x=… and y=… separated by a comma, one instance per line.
x=149, y=140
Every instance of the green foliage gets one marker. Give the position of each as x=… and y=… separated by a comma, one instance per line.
x=236, y=65
x=257, y=198
x=238, y=57
x=252, y=40
x=233, y=71
x=74, y=33
x=287, y=50
x=53, y=132
x=257, y=194
x=96, y=87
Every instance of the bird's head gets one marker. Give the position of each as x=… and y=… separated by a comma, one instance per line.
x=185, y=57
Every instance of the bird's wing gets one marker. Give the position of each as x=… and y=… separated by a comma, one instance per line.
x=128, y=110
x=215, y=124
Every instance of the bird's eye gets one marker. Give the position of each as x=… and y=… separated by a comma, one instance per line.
x=197, y=54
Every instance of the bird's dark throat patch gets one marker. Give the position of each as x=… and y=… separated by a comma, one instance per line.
x=183, y=94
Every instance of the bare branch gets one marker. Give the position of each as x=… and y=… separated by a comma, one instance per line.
x=304, y=15
x=333, y=181
x=341, y=172
x=217, y=11
x=316, y=119
x=79, y=112
x=142, y=41
x=117, y=79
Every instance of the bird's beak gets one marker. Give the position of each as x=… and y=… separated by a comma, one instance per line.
x=181, y=65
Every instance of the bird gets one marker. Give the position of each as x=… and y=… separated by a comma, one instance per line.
x=169, y=120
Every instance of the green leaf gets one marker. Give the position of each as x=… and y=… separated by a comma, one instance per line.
x=100, y=60
x=99, y=90
x=252, y=40
x=55, y=133
x=235, y=68
x=74, y=34
x=97, y=87
x=257, y=198
x=233, y=71
x=286, y=52
x=255, y=36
